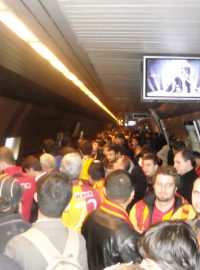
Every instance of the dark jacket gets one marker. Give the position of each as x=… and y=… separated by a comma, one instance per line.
x=10, y=226
x=109, y=240
x=186, y=184
x=139, y=180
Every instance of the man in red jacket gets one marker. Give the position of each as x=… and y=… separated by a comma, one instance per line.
x=8, y=168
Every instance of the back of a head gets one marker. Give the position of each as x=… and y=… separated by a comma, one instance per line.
x=31, y=162
x=54, y=192
x=10, y=196
x=118, y=185
x=6, y=155
x=71, y=165
x=47, y=162
x=96, y=170
x=172, y=245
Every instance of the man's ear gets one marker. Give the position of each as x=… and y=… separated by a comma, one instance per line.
x=104, y=191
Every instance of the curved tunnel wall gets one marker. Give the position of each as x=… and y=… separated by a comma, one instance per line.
x=34, y=123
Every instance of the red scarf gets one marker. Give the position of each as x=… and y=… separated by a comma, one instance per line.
x=116, y=210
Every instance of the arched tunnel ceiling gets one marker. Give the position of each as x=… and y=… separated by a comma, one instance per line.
x=103, y=43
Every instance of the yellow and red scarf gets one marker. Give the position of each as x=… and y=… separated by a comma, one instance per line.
x=116, y=210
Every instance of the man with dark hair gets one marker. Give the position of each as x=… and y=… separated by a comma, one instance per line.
x=139, y=179
x=184, y=163
x=142, y=175
x=169, y=246
x=165, y=204
x=112, y=154
x=11, y=222
x=120, y=141
x=96, y=177
x=85, y=149
x=97, y=150
x=54, y=192
x=110, y=236
x=8, y=168
x=149, y=167
x=96, y=170
x=135, y=146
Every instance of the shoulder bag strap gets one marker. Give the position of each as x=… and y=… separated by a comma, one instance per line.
x=43, y=244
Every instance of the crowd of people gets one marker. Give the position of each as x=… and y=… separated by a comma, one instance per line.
x=125, y=200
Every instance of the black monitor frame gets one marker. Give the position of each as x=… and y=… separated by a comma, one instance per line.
x=152, y=63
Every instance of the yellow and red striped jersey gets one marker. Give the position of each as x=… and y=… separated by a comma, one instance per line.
x=84, y=200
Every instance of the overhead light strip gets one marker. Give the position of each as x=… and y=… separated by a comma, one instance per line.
x=8, y=18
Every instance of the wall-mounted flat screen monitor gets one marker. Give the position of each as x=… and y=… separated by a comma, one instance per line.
x=171, y=78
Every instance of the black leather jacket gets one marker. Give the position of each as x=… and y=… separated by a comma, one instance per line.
x=109, y=240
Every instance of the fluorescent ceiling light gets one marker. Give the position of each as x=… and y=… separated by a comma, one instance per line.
x=59, y=66
x=43, y=50
x=70, y=76
x=16, y=26
x=78, y=83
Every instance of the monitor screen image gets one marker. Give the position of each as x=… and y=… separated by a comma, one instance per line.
x=171, y=78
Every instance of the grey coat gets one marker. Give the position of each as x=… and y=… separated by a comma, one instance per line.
x=28, y=256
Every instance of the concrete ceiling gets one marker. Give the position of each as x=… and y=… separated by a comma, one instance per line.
x=103, y=43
